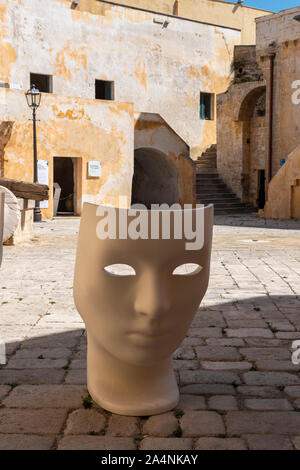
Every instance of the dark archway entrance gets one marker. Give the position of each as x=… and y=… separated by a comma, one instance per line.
x=155, y=179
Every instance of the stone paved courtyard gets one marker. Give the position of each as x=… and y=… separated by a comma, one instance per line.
x=239, y=388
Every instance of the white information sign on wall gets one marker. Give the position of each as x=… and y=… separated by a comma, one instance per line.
x=43, y=178
x=94, y=169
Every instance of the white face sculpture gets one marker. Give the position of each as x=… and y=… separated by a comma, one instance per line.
x=139, y=314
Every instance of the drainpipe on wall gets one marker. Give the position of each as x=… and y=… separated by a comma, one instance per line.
x=271, y=107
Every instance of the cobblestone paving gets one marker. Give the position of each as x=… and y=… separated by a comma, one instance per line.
x=239, y=388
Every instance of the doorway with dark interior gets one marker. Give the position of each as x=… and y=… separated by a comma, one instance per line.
x=261, y=200
x=64, y=174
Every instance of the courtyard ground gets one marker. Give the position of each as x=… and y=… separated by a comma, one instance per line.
x=239, y=388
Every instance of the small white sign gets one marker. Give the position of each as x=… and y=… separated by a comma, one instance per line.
x=43, y=178
x=15, y=86
x=94, y=169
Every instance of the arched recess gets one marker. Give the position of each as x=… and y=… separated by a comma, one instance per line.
x=252, y=115
x=249, y=101
x=155, y=179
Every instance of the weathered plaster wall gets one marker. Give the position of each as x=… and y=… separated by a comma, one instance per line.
x=280, y=34
x=152, y=132
x=160, y=69
x=209, y=11
x=77, y=128
x=284, y=190
x=163, y=6
x=227, y=14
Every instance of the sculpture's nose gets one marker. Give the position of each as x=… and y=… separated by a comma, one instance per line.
x=151, y=296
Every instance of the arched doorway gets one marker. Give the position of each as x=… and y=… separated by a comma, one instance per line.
x=252, y=114
x=155, y=179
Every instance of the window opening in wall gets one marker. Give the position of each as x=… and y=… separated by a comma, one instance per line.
x=104, y=90
x=42, y=82
x=206, y=105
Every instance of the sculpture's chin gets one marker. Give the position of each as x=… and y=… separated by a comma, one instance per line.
x=136, y=349
x=138, y=356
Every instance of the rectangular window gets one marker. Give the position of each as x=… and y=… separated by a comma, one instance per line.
x=42, y=82
x=206, y=106
x=104, y=90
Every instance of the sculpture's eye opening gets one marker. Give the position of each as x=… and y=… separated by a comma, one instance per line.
x=187, y=269
x=120, y=270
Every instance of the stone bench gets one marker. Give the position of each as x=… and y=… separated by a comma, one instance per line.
x=25, y=194
x=24, y=231
x=1, y=222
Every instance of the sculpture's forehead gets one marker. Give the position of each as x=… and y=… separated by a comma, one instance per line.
x=149, y=251
x=104, y=237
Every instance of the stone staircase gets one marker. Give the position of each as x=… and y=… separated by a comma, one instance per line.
x=210, y=189
x=207, y=163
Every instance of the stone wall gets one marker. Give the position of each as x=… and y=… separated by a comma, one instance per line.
x=216, y=12
x=244, y=65
x=284, y=190
x=241, y=138
x=241, y=126
x=244, y=117
x=279, y=34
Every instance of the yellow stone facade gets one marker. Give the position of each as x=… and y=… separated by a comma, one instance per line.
x=258, y=122
x=229, y=14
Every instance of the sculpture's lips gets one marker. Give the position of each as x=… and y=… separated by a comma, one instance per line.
x=149, y=334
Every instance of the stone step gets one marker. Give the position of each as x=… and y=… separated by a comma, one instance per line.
x=208, y=153
x=204, y=170
x=209, y=182
x=220, y=204
x=229, y=206
x=209, y=176
x=208, y=158
x=219, y=200
x=234, y=211
x=220, y=193
x=210, y=189
x=241, y=209
x=213, y=190
x=206, y=163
